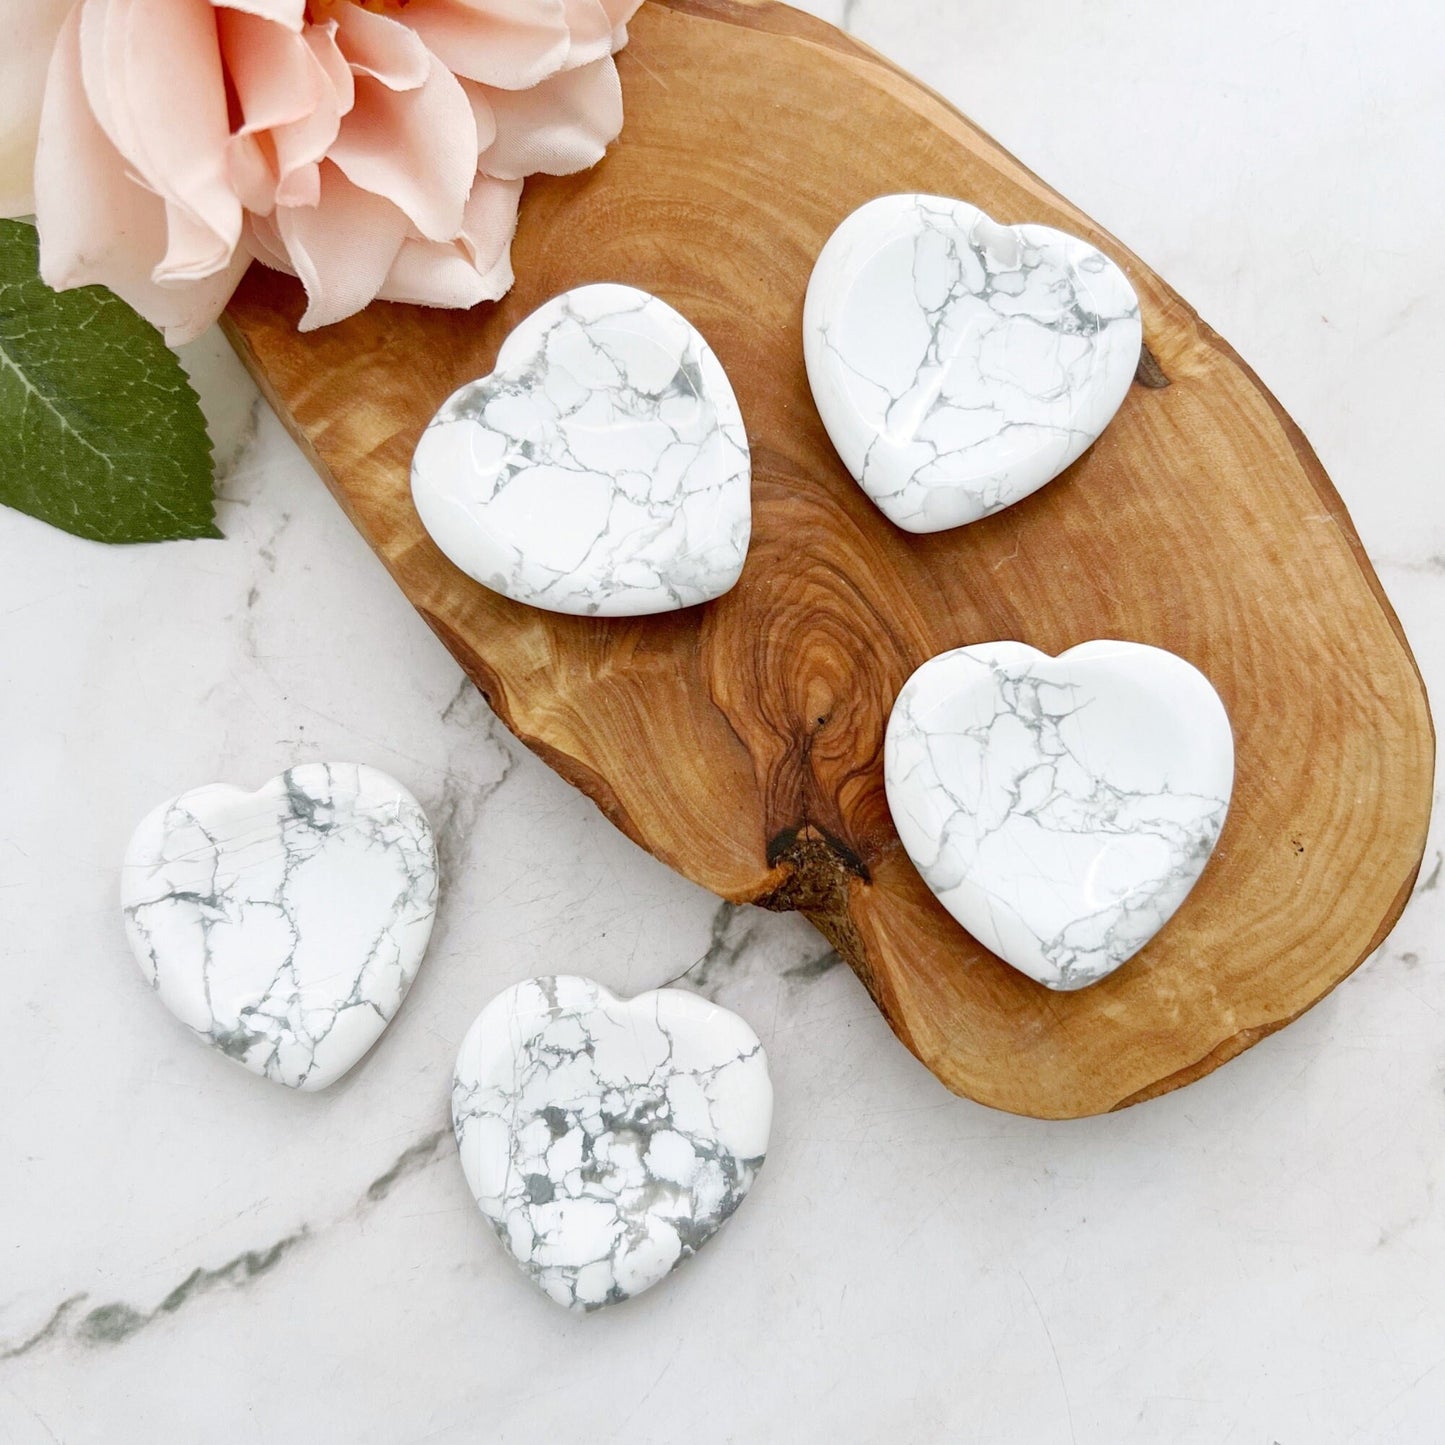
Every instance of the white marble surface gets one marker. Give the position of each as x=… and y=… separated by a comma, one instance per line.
x=958, y=364
x=284, y=924
x=605, y=1139
x=1255, y=1259
x=1061, y=808
x=602, y=469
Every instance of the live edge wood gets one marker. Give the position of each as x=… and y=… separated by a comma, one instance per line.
x=742, y=742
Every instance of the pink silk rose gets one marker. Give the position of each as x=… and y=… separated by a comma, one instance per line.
x=373, y=150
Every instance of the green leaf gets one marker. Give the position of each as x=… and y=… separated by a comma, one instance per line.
x=100, y=431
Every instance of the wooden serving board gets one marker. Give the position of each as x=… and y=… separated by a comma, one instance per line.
x=741, y=742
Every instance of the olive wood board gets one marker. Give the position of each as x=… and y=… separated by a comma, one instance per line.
x=741, y=742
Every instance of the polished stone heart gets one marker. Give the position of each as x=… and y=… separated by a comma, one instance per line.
x=1061, y=808
x=284, y=926
x=602, y=469
x=607, y=1140
x=957, y=364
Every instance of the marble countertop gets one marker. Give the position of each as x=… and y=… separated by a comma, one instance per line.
x=189, y=1254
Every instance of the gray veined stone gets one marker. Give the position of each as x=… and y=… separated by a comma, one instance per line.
x=284, y=926
x=607, y=1140
x=602, y=469
x=1061, y=808
x=959, y=364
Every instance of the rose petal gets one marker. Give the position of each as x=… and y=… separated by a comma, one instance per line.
x=265, y=244
x=487, y=40
x=183, y=312
x=322, y=40
x=290, y=13
x=30, y=33
x=301, y=146
x=482, y=113
x=561, y=126
x=275, y=73
x=437, y=273
x=133, y=51
x=96, y=224
x=417, y=148
x=253, y=173
x=288, y=108
x=382, y=48
x=591, y=29
x=490, y=221
x=476, y=267
x=341, y=248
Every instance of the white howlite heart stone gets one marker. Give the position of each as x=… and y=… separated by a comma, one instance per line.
x=284, y=926
x=959, y=364
x=607, y=1140
x=602, y=469
x=1060, y=808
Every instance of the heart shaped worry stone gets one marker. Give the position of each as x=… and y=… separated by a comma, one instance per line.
x=284, y=926
x=1061, y=808
x=602, y=469
x=606, y=1139
x=957, y=364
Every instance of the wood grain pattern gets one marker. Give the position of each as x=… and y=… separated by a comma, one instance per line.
x=741, y=742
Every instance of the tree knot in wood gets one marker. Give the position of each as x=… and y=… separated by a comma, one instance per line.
x=1150, y=374
x=820, y=868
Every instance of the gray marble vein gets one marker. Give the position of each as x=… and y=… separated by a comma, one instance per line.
x=117, y=1321
x=743, y=947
